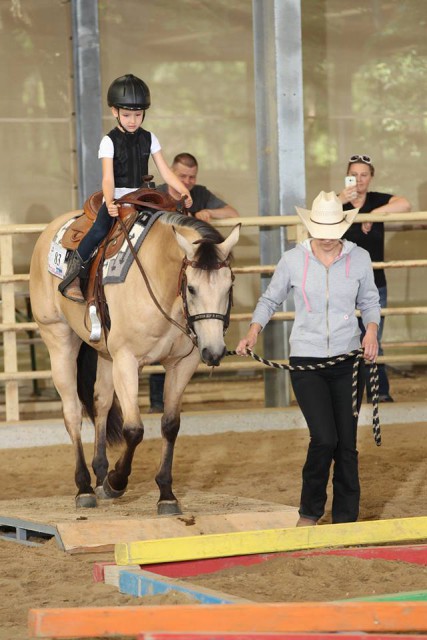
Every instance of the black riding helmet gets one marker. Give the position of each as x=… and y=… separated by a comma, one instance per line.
x=129, y=92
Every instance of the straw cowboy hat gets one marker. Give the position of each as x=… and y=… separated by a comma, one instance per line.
x=327, y=220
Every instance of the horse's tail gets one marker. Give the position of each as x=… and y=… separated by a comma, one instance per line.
x=87, y=362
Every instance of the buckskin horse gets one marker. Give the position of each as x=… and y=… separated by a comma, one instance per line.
x=187, y=267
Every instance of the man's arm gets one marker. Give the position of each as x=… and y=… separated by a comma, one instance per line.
x=217, y=214
x=214, y=208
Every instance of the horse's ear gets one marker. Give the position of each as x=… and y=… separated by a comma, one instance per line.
x=188, y=248
x=225, y=247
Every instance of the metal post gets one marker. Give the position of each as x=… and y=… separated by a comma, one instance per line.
x=87, y=92
x=280, y=144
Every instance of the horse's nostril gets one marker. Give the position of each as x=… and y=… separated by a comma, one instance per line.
x=212, y=359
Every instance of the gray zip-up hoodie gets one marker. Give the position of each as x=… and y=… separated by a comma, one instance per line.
x=325, y=299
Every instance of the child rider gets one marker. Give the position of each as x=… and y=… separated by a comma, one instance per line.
x=125, y=152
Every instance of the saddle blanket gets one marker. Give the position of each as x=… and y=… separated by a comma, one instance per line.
x=58, y=255
x=115, y=269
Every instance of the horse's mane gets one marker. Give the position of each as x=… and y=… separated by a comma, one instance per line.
x=206, y=254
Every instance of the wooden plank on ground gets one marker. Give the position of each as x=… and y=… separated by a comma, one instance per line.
x=92, y=535
x=136, y=582
x=402, y=596
x=111, y=573
x=278, y=636
x=271, y=540
x=88, y=622
x=141, y=583
x=28, y=533
x=135, y=518
x=412, y=554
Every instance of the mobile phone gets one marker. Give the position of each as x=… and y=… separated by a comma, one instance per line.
x=350, y=181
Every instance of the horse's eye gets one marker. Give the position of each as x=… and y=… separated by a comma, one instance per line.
x=191, y=290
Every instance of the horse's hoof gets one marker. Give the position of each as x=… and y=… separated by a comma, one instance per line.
x=109, y=492
x=86, y=501
x=168, y=508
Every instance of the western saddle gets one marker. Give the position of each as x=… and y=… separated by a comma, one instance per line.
x=130, y=207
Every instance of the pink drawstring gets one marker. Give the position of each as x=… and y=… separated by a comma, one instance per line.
x=347, y=265
x=304, y=279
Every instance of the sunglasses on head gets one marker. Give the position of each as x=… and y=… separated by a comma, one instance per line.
x=356, y=157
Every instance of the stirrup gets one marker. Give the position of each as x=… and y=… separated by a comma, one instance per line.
x=95, y=325
x=75, y=267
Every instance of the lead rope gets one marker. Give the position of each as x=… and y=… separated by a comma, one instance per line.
x=357, y=354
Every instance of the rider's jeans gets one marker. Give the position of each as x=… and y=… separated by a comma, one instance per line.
x=96, y=234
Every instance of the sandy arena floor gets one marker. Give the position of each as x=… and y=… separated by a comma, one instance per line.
x=264, y=466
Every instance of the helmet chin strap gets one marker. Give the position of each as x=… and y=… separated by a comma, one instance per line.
x=128, y=133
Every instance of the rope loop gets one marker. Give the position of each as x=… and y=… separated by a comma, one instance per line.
x=357, y=354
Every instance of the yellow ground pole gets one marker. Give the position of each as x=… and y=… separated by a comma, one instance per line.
x=271, y=540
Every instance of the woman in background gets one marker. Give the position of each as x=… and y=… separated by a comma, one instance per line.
x=370, y=236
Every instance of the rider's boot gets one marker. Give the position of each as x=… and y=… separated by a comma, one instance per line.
x=70, y=285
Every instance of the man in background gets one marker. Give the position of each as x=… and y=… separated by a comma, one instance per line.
x=206, y=205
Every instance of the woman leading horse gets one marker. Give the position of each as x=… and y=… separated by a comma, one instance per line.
x=186, y=262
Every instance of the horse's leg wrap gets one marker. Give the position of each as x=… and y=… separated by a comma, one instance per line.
x=70, y=285
x=106, y=491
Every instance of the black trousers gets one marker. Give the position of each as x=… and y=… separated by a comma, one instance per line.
x=325, y=399
x=156, y=384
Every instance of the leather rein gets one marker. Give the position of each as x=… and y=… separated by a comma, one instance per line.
x=188, y=329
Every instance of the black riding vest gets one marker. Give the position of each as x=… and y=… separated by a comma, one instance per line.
x=131, y=155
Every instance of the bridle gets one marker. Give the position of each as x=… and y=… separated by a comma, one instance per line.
x=188, y=330
x=182, y=291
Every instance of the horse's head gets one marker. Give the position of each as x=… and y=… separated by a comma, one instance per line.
x=206, y=288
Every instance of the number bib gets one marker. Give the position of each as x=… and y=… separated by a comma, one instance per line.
x=56, y=260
